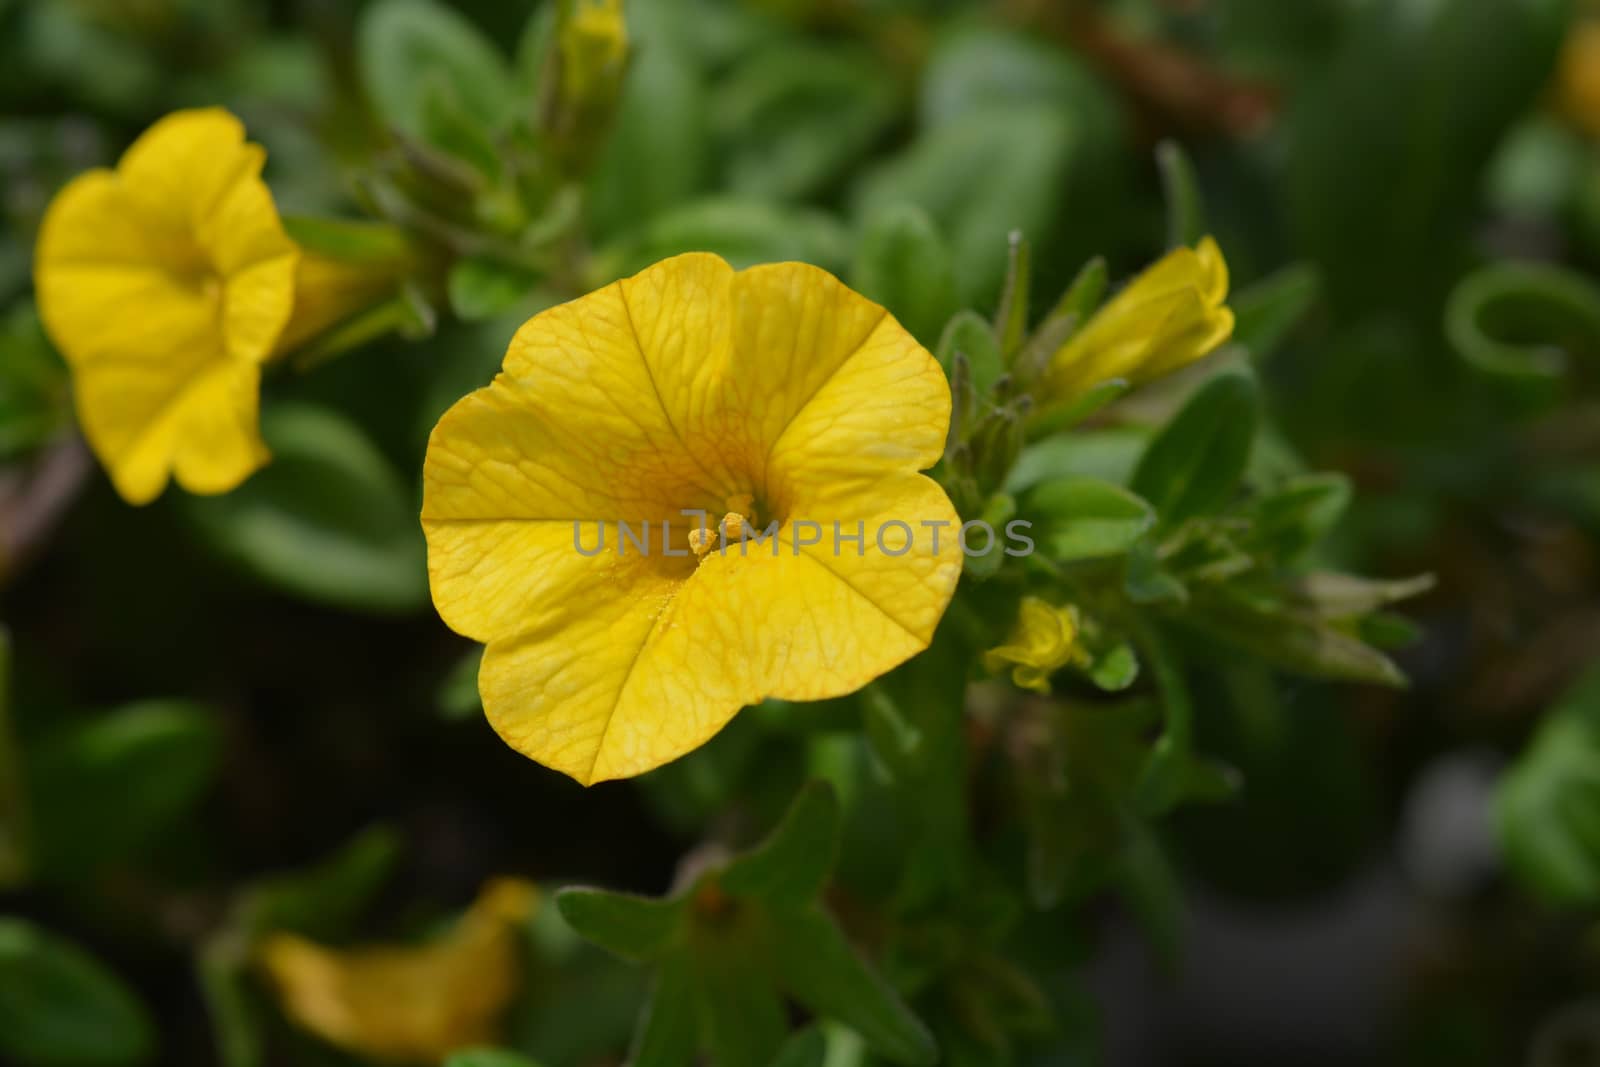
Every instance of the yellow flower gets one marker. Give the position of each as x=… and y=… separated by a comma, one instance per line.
x=409, y=1004
x=1044, y=639
x=771, y=396
x=1166, y=318
x=1579, y=77
x=166, y=283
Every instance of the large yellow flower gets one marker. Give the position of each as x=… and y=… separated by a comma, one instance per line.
x=409, y=1004
x=771, y=395
x=166, y=283
x=1166, y=318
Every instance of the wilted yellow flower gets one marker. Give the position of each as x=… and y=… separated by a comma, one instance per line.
x=1044, y=640
x=166, y=283
x=409, y=1004
x=1579, y=78
x=594, y=47
x=1166, y=318
x=774, y=399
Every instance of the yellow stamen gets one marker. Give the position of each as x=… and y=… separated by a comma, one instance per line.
x=733, y=526
x=702, y=540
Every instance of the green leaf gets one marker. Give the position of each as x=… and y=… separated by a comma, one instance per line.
x=975, y=70
x=973, y=336
x=489, y=1057
x=950, y=173
x=226, y=981
x=349, y=240
x=458, y=693
x=59, y=1006
x=35, y=390
x=1150, y=886
x=481, y=288
x=321, y=901
x=1148, y=581
x=1083, y=296
x=101, y=791
x=903, y=263
x=448, y=126
x=1293, y=641
x=1082, y=518
x=744, y=232
x=1109, y=455
x=742, y=1016
x=1115, y=669
x=667, y=1033
x=1295, y=516
x=1389, y=140
x=405, y=47
x=658, y=155
x=822, y=971
x=328, y=519
x=633, y=927
x=1186, y=210
x=1193, y=466
x=792, y=117
x=791, y=866
x=1547, y=807
x=1011, y=318
x=1267, y=312
x=806, y=1048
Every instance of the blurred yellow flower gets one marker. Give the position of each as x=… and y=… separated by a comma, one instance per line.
x=1044, y=640
x=1166, y=318
x=1579, y=77
x=775, y=399
x=166, y=283
x=409, y=1004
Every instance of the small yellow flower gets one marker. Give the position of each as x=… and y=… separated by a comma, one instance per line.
x=166, y=283
x=409, y=1004
x=1579, y=77
x=1166, y=318
x=1044, y=640
x=689, y=386
x=594, y=48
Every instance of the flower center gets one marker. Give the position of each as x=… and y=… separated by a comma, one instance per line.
x=736, y=523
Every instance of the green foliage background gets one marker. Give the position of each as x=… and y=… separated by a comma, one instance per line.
x=226, y=716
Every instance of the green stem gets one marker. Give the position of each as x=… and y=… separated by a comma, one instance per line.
x=13, y=809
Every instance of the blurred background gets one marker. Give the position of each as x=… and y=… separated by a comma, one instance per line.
x=217, y=711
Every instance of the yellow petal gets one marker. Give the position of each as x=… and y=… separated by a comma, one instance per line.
x=97, y=262
x=409, y=1004
x=688, y=386
x=205, y=432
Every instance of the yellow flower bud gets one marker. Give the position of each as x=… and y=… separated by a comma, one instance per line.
x=594, y=49
x=1166, y=318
